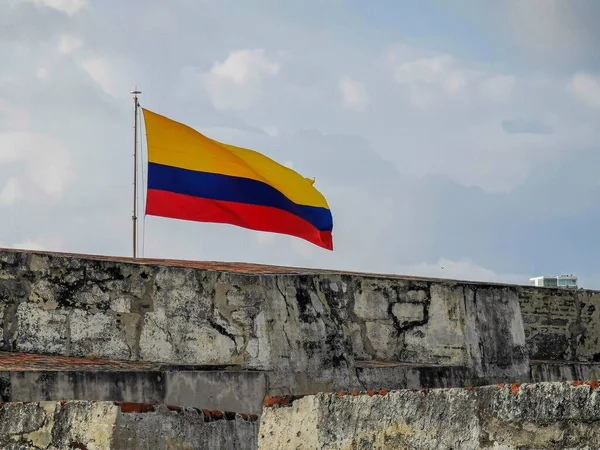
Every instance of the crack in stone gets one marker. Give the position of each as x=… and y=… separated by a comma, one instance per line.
x=221, y=329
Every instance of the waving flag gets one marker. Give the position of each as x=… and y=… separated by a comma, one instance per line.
x=193, y=177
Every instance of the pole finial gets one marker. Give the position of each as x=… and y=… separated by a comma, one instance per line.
x=136, y=104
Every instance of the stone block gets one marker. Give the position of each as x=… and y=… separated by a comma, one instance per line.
x=12, y=290
x=416, y=296
x=195, y=343
x=21, y=419
x=41, y=331
x=155, y=340
x=370, y=305
x=358, y=346
x=89, y=424
x=442, y=339
x=408, y=313
x=97, y=334
x=383, y=338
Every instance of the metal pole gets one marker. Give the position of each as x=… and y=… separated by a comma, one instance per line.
x=135, y=170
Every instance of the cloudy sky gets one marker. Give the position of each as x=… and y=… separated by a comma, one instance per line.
x=455, y=139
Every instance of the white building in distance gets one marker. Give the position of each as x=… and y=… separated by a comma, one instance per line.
x=564, y=281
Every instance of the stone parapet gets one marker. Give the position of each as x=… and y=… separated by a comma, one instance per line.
x=544, y=415
x=309, y=329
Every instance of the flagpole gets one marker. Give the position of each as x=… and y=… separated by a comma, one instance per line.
x=136, y=105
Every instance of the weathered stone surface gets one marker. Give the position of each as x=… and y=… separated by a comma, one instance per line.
x=97, y=334
x=561, y=324
x=371, y=302
x=108, y=425
x=417, y=296
x=90, y=424
x=564, y=371
x=384, y=338
x=307, y=329
x=39, y=330
x=405, y=376
x=21, y=419
x=545, y=415
x=498, y=336
x=408, y=313
x=444, y=338
x=211, y=389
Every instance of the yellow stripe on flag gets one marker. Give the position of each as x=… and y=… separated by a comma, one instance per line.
x=171, y=143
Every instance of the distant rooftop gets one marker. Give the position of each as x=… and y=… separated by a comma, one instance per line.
x=564, y=280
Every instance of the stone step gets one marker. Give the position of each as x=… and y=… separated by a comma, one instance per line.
x=564, y=370
x=27, y=377
x=407, y=375
x=515, y=416
x=113, y=425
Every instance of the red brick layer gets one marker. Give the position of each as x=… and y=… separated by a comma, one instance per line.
x=10, y=361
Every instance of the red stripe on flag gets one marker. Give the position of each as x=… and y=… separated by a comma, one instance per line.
x=259, y=218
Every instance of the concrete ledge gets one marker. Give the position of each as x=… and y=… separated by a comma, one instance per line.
x=413, y=376
x=109, y=425
x=230, y=391
x=543, y=415
x=564, y=371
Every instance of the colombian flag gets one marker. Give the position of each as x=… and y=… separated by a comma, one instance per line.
x=192, y=177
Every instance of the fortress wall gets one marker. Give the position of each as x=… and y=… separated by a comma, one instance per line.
x=308, y=330
x=545, y=415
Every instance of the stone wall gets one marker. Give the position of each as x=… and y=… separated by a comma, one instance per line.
x=308, y=331
x=108, y=425
x=561, y=324
x=535, y=416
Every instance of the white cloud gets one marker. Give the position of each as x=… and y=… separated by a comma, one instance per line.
x=47, y=243
x=431, y=78
x=98, y=70
x=68, y=7
x=41, y=73
x=245, y=66
x=28, y=245
x=47, y=171
x=438, y=70
x=12, y=116
x=237, y=82
x=586, y=88
x=497, y=88
x=545, y=25
x=11, y=192
x=434, y=77
x=354, y=94
x=463, y=269
x=69, y=44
